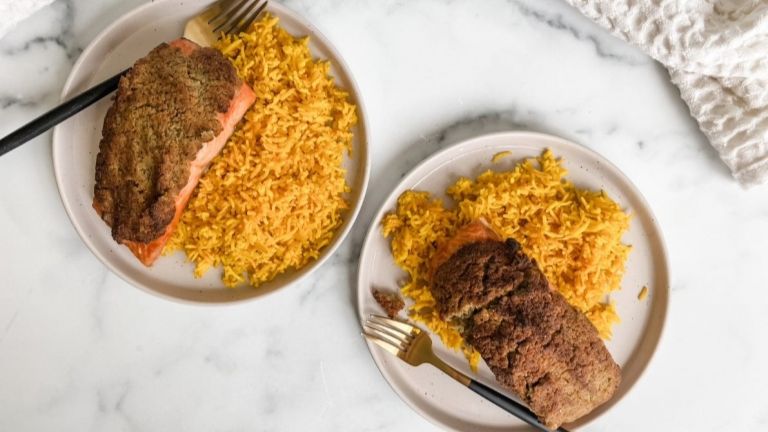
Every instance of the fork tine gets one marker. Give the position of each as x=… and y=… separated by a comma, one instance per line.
x=234, y=24
x=386, y=345
x=398, y=325
x=399, y=344
x=226, y=18
x=249, y=20
x=400, y=337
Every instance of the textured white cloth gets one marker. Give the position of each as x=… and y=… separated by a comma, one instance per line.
x=716, y=52
x=13, y=12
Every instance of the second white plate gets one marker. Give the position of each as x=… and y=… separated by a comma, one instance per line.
x=436, y=396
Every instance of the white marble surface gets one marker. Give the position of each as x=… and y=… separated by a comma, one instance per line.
x=82, y=350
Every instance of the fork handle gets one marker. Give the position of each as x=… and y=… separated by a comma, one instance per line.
x=59, y=114
x=509, y=405
x=504, y=402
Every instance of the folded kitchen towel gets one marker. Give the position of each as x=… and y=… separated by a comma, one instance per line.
x=716, y=52
x=15, y=11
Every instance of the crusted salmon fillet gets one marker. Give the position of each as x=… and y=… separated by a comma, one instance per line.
x=475, y=231
x=172, y=114
x=537, y=345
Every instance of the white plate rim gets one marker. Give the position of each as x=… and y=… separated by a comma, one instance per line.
x=374, y=230
x=309, y=268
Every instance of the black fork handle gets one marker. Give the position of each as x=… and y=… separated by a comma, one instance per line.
x=509, y=405
x=59, y=114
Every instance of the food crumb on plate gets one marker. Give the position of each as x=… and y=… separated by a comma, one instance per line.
x=643, y=294
x=500, y=155
x=391, y=302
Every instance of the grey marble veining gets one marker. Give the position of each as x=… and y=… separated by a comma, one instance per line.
x=82, y=350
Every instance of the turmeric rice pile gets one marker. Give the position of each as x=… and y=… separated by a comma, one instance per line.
x=274, y=196
x=574, y=235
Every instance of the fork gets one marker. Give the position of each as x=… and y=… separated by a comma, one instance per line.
x=414, y=346
x=222, y=17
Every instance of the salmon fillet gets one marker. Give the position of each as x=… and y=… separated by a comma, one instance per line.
x=476, y=275
x=475, y=231
x=536, y=344
x=544, y=350
x=172, y=114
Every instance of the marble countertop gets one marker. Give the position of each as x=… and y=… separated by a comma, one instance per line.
x=82, y=350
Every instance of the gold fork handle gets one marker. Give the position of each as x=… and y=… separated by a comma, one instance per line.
x=449, y=370
x=509, y=405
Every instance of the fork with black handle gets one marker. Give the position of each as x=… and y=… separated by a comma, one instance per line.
x=221, y=17
x=59, y=114
x=414, y=346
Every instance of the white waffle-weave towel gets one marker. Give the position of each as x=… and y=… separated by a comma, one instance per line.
x=716, y=52
x=15, y=11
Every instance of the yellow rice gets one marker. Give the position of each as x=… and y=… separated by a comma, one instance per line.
x=274, y=196
x=574, y=235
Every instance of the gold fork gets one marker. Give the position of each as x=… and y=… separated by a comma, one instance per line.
x=222, y=17
x=414, y=346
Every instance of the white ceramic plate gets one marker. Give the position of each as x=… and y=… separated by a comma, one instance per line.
x=76, y=144
x=445, y=402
